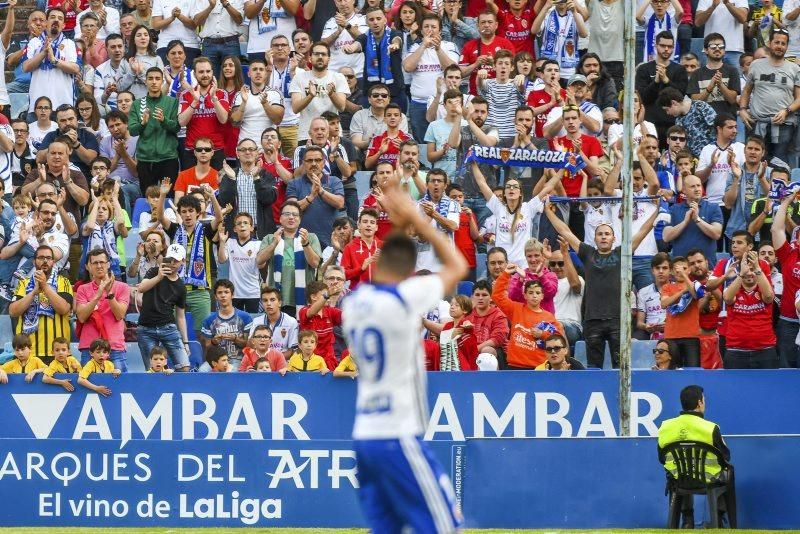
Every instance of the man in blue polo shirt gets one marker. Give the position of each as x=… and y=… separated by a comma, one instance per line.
x=694, y=223
x=320, y=196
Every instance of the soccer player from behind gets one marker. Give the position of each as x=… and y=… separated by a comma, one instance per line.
x=306, y=359
x=158, y=361
x=401, y=484
x=99, y=350
x=63, y=362
x=23, y=362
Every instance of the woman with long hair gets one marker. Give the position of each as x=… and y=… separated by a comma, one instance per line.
x=455, y=27
x=523, y=66
x=408, y=19
x=89, y=114
x=42, y=124
x=514, y=216
x=231, y=80
x=663, y=355
x=603, y=88
x=178, y=77
x=141, y=56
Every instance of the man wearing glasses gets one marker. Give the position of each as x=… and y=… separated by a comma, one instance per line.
x=202, y=176
x=317, y=90
x=716, y=83
x=558, y=358
x=23, y=159
x=369, y=122
x=281, y=69
x=43, y=302
x=725, y=18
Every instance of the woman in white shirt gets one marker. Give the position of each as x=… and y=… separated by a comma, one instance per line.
x=514, y=218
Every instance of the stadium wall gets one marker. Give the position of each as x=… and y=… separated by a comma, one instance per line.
x=256, y=449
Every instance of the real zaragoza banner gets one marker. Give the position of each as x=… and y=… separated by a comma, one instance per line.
x=523, y=157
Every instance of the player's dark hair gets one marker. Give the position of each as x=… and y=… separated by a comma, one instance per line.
x=398, y=255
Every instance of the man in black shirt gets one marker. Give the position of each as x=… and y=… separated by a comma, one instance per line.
x=603, y=275
x=655, y=76
x=716, y=83
x=162, y=320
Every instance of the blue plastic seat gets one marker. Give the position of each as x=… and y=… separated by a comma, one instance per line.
x=642, y=353
x=195, y=354
x=465, y=288
x=134, y=358
x=140, y=207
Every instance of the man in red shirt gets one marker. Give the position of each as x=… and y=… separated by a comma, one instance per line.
x=468, y=233
x=516, y=21
x=479, y=53
x=386, y=147
x=363, y=251
x=550, y=96
x=710, y=306
x=750, y=338
x=788, y=254
x=585, y=145
x=274, y=162
x=204, y=111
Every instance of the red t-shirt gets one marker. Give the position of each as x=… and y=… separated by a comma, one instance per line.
x=393, y=152
x=476, y=7
x=475, y=48
x=517, y=29
x=71, y=15
x=187, y=180
x=538, y=98
x=789, y=258
x=322, y=323
x=280, y=185
x=463, y=240
x=590, y=147
x=749, y=322
x=204, y=121
x=719, y=272
x=384, y=224
x=231, y=132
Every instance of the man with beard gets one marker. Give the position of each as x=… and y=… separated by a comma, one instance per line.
x=256, y=107
x=114, y=74
x=771, y=97
x=52, y=60
x=476, y=132
x=710, y=307
x=43, y=302
x=281, y=69
x=655, y=76
x=204, y=110
x=716, y=82
x=442, y=213
x=317, y=90
x=83, y=145
x=120, y=148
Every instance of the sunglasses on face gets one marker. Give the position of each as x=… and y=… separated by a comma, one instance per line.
x=203, y=149
x=612, y=121
x=716, y=47
x=677, y=138
x=556, y=264
x=553, y=350
x=660, y=351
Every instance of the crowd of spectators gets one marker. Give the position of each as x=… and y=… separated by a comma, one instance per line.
x=246, y=158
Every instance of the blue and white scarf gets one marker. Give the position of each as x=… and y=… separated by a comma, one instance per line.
x=550, y=40
x=650, y=36
x=55, y=45
x=377, y=65
x=442, y=208
x=686, y=299
x=175, y=87
x=104, y=236
x=299, y=268
x=523, y=157
x=39, y=306
x=196, y=275
x=267, y=18
x=285, y=78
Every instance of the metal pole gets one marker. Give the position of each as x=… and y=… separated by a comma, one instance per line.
x=627, y=205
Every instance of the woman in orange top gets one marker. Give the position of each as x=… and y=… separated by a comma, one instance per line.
x=524, y=350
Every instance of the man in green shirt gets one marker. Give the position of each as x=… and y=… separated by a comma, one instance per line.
x=154, y=119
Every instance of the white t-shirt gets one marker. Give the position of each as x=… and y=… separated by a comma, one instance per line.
x=426, y=257
x=146, y=217
x=258, y=43
x=338, y=58
x=390, y=402
x=278, y=81
x=793, y=26
x=594, y=217
x=52, y=83
x=284, y=331
x=594, y=113
x=567, y=303
x=176, y=29
x=242, y=268
x=648, y=300
x=640, y=213
x=3, y=91
x=423, y=79
x=515, y=249
x=615, y=132
x=721, y=21
x=441, y=112
x=715, y=185
x=5, y=158
x=255, y=120
x=322, y=102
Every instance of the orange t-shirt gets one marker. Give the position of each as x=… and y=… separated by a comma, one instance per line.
x=187, y=180
x=522, y=350
x=684, y=324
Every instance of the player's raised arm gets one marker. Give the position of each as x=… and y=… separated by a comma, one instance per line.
x=404, y=213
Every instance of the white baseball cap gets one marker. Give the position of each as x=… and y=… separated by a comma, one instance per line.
x=176, y=252
x=486, y=362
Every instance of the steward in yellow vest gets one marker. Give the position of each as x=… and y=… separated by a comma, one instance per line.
x=691, y=425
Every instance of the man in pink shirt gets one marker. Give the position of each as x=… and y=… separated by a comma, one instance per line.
x=100, y=307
